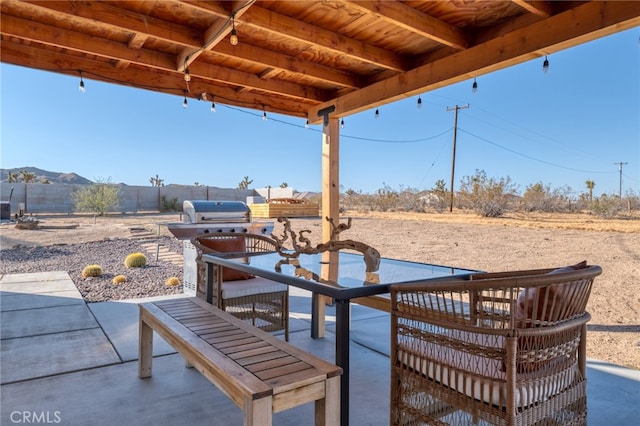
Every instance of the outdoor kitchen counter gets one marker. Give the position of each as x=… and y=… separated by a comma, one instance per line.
x=349, y=280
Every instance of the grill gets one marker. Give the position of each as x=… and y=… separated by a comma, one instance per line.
x=200, y=217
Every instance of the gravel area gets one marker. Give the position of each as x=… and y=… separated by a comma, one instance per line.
x=109, y=255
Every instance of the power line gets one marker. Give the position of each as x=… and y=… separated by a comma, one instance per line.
x=530, y=157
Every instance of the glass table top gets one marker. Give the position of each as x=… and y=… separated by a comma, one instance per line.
x=349, y=271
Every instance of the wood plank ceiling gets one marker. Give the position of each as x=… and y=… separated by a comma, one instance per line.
x=297, y=57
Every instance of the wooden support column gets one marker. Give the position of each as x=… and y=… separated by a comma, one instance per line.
x=330, y=208
x=330, y=175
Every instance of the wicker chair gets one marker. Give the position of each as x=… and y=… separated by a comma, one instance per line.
x=259, y=301
x=498, y=348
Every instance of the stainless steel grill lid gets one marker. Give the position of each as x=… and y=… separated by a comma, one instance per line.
x=211, y=211
x=208, y=216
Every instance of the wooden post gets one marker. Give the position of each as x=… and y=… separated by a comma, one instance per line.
x=330, y=204
x=145, y=349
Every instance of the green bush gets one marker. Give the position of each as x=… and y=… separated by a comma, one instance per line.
x=92, y=271
x=169, y=205
x=135, y=260
x=97, y=198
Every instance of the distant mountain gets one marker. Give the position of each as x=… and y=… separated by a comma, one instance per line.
x=44, y=176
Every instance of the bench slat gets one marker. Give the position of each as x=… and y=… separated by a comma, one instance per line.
x=325, y=366
x=232, y=379
x=257, y=371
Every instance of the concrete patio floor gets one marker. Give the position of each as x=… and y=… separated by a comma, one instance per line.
x=67, y=362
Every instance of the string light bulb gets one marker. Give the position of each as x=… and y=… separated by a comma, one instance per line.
x=306, y=125
x=81, y=87
x=377, y=114
x=419, y=102
x=545, y=65
x=185, y=104
x=342, y=123
x=233, y=38
x=264, y=114
x=213, y=107
x=474, y=88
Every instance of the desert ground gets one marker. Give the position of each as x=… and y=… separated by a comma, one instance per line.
x=516, y=241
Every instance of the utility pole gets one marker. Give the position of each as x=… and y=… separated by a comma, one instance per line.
x=453, y=157
x=620, y=164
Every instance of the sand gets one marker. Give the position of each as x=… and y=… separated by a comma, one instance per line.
x=461, y=239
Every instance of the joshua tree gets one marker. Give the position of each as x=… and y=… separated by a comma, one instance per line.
x=156, y=181
x=12, y=177
x=590, y=185
x=27, y=177
x=244, y=184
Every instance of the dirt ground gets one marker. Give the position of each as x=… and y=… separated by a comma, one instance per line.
x=517, y=241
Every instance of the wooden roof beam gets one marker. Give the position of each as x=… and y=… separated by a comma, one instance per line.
x=79, y=42
x=284, y=26
x=271, y=59
x=168, y=82
x=415, y=21
x=586, y=22
x=124, y=20
x=137, y=41
x=541, y=8
x=213, y=35
x=114, y=18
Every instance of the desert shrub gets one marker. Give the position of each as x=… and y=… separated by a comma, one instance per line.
x=632, y=200
x=411, y=200
x=538, y=197
x=607, y=206
x=386, y=199
x=98, y=198
x=487, y=196
x=169, y=205
x=119, y=279
x=92, y=271
x=172, y=282
x=439, y=196
x=135, y=260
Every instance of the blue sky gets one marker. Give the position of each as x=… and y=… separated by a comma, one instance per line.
x=559, y=128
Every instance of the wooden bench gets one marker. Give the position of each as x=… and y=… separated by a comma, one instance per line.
x=259, y=372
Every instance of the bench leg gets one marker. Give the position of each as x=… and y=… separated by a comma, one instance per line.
x=145, y=350
x=257, y=412
x=328, y=409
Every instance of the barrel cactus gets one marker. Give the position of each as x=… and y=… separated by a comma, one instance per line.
x=119, y=279
x=172, y=282
x=92, y=271
x=135, y=260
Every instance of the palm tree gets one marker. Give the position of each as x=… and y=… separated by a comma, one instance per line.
x=590, y=184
